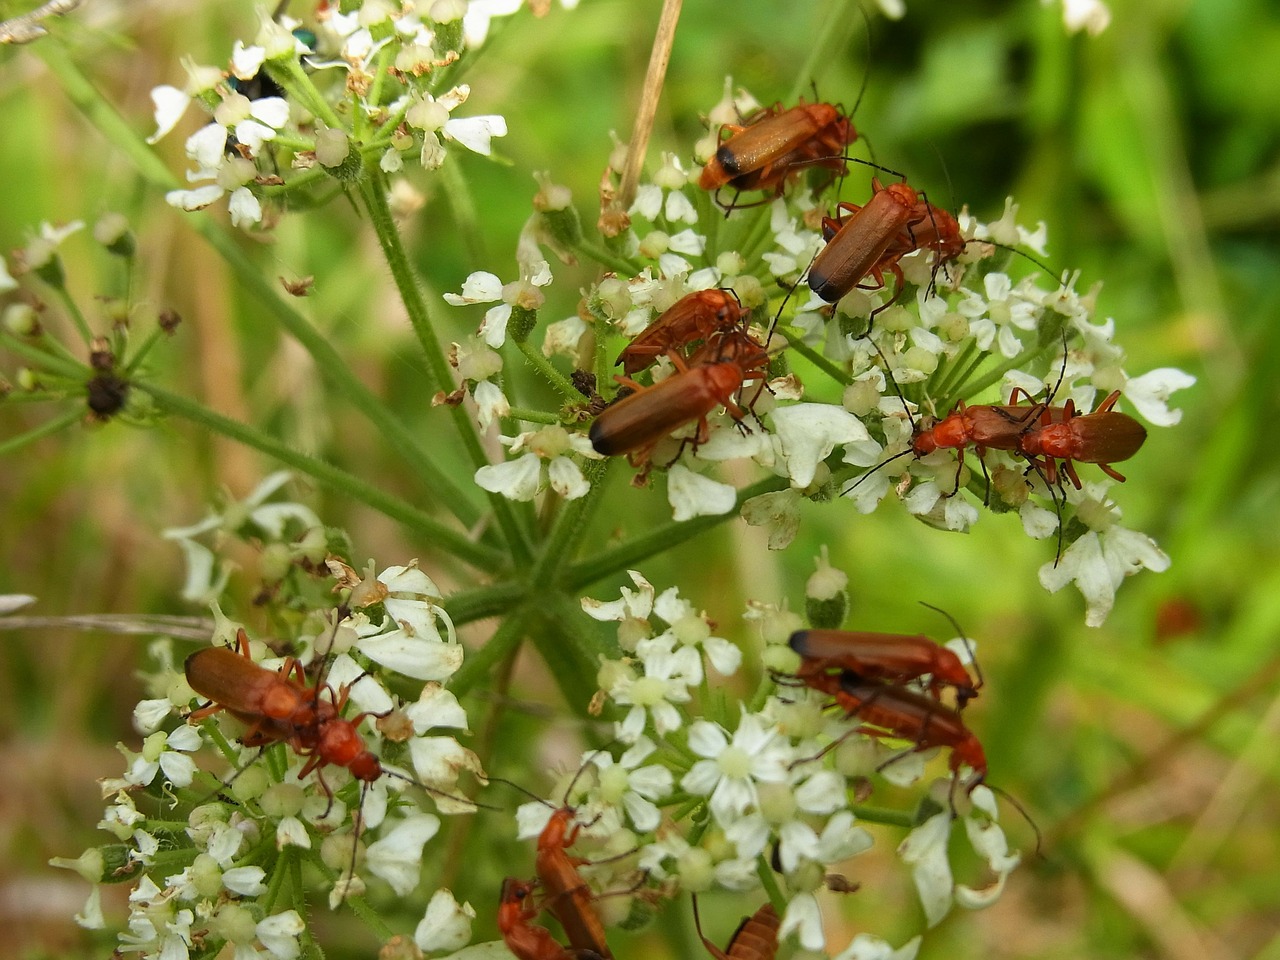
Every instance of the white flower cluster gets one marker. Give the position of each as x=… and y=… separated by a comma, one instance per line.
x=280, y=103
x=217, y=881
x=776, y=780
x=879, y=368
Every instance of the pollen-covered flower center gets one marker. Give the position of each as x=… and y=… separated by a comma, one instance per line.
x=734, y=762
x=1095, y=514
x=613, y=784
x=691, y=629
x=648, y=691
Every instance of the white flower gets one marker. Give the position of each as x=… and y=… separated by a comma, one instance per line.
x=1100, y=560
x=779, y=512
x=245, y=881
x=925, y=849
x=1090, y=15
x=866, y=947
x=446, y=926
x=276, y=520
x=665, y=682
x=634, y=786
x=521, y=479
x=1004, y=310
x=484, y=287
x=635, y=605
x=491, y=403
x=396, y=856
x=407, y=638
x=809, y=432
x=279, y=934
x=803, y=918
x=730, y=769
x=668, y=181
x=693, y=495
x=1149, y=394
x=692, y=629
x=159, y=752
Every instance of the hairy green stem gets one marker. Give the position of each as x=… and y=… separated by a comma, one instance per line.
x=544, y=366
x=482, y=602
x=564, y=535
x=330, y=364
x=374, y=192
x=420, y=522
x=658, y=541
x=61, y=363
x=479, y=662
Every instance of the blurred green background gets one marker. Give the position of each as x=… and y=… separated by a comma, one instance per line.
x=1144, y=749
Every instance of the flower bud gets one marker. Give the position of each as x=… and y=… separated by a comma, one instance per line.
x=826, y=599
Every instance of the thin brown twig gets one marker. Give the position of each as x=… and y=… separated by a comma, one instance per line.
x=653, y=81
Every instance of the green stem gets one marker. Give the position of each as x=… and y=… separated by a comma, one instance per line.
x=482, y=602
x=995, y=373
x=544, y=366
x=824, y=50
x=619, y=265
x=479, y=662
x=143, y=350
x=895, y=818
x=296, y=81
x=327, y=359
x=45, y=429
x=533, y=416
x=417, y=520
x=769, y=880
x=660, y=540
x=63, y=364
x=569, y=649
x=73, y=310
x=818, y=360
x=466, y=220
x=374, y=192
x=564, y=535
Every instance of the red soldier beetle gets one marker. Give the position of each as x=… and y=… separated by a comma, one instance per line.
x=773, y=146
x=523, y=938
x=261, y=698
x=568, y=897
x=695, y=316
x=636, y=424
x=890, y=712
x=892, y=658
x=755, y=939
x=1104, y=436
x=279, y=708
x=871, y=239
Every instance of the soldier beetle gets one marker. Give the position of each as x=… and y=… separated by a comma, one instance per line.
x=1104, y=436
x=695, y=316
x=636, y=424
x=893, y=658
x=755, y=939
x=568, y=897
x=281, y=709
x=522, y=937
x=871, y=239
x=278, y=707
x=267, y=701
x=775, y=144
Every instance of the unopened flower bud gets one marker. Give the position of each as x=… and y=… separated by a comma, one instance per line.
x=826, y=599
